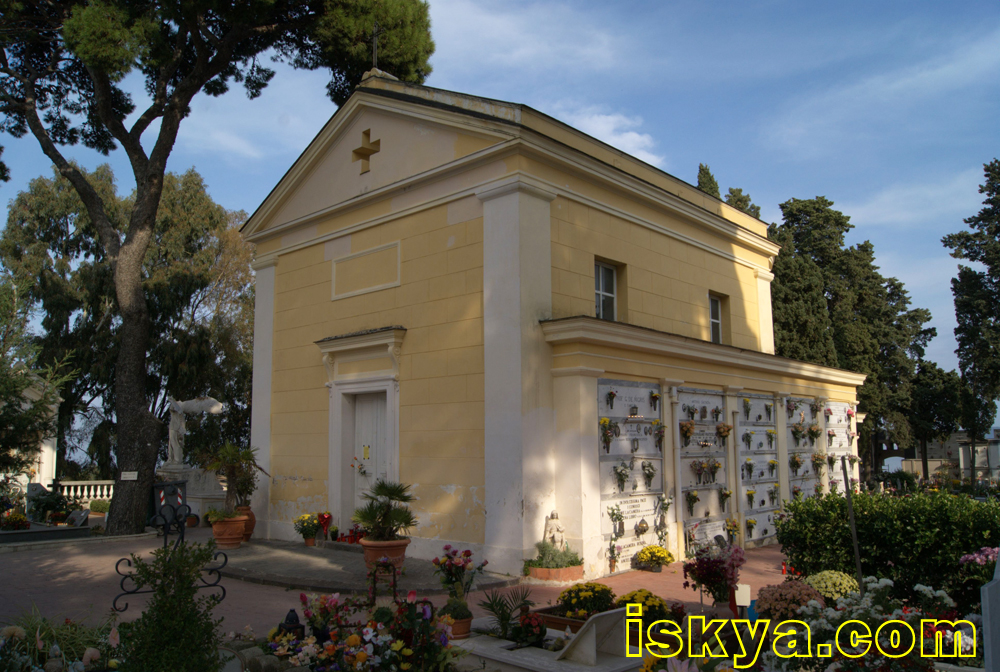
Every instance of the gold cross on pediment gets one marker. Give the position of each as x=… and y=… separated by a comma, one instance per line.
x=364, y=152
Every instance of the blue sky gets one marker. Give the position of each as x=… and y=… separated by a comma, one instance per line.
x=889, y=109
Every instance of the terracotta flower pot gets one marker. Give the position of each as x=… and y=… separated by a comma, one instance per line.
x=310, y=541
x=228, y=533
x=461, y=628
x=394, y=551
x=251, y=521
x=574, y=573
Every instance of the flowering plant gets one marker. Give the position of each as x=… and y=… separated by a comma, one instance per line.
x=654, y=556
x=658, y=433
x=790, y=406
x=828, y=412
x=772, y=465
x=715, y=570
x=611, y=398
x=698, y=467
x=831, y=461
x=798, y=432
x=850, y=413
x=691, y=497
x=773, y=493
x=815, y=406
x=724, y=495
x=750, y=497
x=722, y=430
x=457, y=570
x=767, y=411
x=751, y=523
x=687, y=430
x=530, y=629
x=653, y=608
x=748, y=468
x=853, y=459
x=716, y=413
x=732, y=527
x=850, y=438
x=747, y=438
x=585, y=599
x=622, y=472
x=796, y=492
x=607, y=429
x=818, y=488
x=832, y=584
x=770, y=437
x=814, y=433
x=783, y=601
x=746, y=408
x=307, y=525
x=795, y=462
x=648, y=472
x=15, y=521
x=834, y=485
x=817, y=459
x=713, y=466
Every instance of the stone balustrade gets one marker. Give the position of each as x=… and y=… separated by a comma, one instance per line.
x=86, y=490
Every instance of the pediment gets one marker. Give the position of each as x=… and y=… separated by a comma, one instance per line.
x=366, y=148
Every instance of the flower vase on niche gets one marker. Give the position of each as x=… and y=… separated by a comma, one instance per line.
x=611, y=399
x=654, y=399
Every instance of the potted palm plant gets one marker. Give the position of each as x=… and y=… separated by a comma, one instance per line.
x=238, y=464
x=384, y=516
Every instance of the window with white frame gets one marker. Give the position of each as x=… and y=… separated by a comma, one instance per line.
x=715, y=317
x=604, y=291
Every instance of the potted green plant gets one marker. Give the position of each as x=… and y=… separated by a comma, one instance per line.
x=227, y=528
x=384, y=516
x=554, y=564
x=308, y=526
x=238, y=464
x=457, y=572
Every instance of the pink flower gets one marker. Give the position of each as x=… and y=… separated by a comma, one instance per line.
x=38, y=640
x=90, y=655
x=113, y=639
x=447, y=547
x=303, y=598
x=411, y=596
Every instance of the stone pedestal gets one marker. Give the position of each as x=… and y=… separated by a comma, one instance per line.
x=203, y=489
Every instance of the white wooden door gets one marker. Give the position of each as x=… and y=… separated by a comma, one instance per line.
x=370, y=451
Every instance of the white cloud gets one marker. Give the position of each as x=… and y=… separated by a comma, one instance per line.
x=941, y=203
x=616, y=129
x=888, y=99
x=515, y=38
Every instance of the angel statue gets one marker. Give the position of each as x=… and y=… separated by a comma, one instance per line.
x=178, y=411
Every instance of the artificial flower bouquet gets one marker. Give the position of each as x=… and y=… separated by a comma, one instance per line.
x=457, y=570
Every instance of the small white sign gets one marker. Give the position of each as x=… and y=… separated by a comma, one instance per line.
x=130, y=476
x=742, y=595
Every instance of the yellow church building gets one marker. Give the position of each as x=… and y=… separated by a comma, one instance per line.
x=474, y=298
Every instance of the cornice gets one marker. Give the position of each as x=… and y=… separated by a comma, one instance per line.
x=639, y=339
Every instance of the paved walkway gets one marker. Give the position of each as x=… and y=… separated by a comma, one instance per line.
x=78, y=581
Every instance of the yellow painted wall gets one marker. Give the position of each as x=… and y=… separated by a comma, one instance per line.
x=668, y=281
x=441, y=414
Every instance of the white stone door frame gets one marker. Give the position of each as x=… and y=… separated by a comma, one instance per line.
x=340, y=488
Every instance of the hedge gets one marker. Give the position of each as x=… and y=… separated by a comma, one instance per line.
x=911, y=539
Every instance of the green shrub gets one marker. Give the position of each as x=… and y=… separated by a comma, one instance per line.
x=917, y=539
x=903, y=481
x=99, y=506
x=176, y=631
x=550, y=557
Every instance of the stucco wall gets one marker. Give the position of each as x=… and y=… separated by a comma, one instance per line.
x=439, y=300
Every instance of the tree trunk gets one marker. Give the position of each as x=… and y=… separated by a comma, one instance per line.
x=923, y=457
x=139, y=432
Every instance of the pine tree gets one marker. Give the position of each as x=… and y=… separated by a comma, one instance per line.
x=706, y=181
x=62, y=81
x=742, y=202
x=935, y=406
x=977, y=307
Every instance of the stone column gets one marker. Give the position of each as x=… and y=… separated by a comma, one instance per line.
x=517, y=293
x=675, y=439
x=672, y=456
x=732, y=412
x=260, y=413
x=781, y=443
x=577, y=453
x=824, y=441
